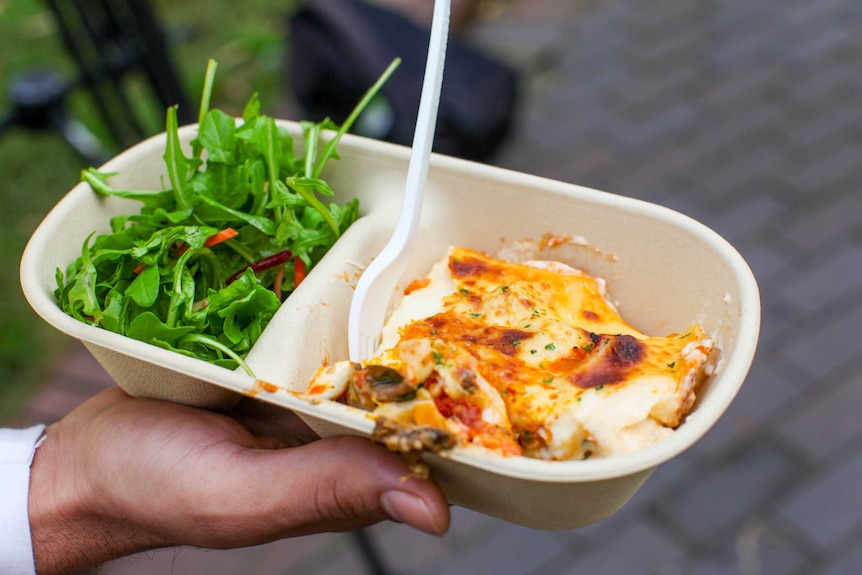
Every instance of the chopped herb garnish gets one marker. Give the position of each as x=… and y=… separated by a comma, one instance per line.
x=464, y=291
x=549, y=380
x=589, y=347
x=600, y=387
x=474, y=314
x=504, y=289
x=527, y=326
x=672, y=365
x=551, y=346
x=438, y=357
x=685, y=335
x=533, y=351
x=515, y=342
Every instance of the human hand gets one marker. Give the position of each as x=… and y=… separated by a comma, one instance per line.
x=120, y=475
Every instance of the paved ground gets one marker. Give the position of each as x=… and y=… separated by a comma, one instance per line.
x=745, y=114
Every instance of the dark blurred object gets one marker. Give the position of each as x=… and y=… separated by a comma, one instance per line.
x=38, y=99
x=340, y=47
x=109, y=41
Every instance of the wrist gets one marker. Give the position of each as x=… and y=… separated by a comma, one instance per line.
x=71, y=529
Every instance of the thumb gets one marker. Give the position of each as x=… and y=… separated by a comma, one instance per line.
x=345, y=483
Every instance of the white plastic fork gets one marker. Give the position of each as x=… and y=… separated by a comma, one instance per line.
x=377, y=283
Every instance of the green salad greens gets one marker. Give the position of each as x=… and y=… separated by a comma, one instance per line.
x=206, y=263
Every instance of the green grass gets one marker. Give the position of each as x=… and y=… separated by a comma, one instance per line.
x=36, y=169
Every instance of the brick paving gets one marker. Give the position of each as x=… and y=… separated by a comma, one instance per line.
x=746, y=115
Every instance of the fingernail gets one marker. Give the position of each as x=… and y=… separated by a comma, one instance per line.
x=410, y=509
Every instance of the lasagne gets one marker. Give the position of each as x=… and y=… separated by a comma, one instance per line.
x=524, y=359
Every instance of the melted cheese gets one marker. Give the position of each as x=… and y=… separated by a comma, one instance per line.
x=530, y=359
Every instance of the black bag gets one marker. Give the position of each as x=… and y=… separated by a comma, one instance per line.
x=339, y=48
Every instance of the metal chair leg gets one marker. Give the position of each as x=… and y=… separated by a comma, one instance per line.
x=373, y=560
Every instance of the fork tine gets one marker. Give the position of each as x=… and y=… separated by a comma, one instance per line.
x=369, y=346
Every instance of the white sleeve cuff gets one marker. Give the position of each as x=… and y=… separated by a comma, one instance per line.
x=17, y=447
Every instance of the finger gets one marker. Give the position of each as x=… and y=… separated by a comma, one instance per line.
x=272, y=425
x=335, y=484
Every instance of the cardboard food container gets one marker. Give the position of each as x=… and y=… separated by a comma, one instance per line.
x=664, y=271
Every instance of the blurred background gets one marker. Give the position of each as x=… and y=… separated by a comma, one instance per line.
x=744, y=114
x=38, y=166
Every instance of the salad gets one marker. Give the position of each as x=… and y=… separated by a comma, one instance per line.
x=207, y=261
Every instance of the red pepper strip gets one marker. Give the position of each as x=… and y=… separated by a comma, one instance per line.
x=298, y=271
x=214, y=239
x=139, y=268
x=263, y=264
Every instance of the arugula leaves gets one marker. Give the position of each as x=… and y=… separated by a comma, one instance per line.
x=172, y=275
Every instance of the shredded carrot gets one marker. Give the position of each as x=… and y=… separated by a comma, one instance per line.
x=298, y=271
x=220, y=237
x=214, y=239
x=276, y=283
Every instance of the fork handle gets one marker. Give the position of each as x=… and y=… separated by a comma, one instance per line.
x=426, y=122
